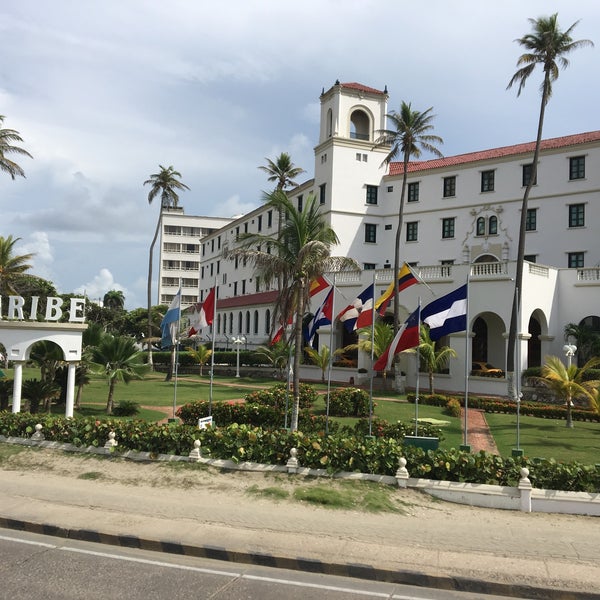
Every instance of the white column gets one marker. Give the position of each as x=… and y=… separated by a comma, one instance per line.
x=17, y=382
x=70, y=400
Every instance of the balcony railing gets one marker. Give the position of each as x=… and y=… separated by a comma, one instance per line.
x=589, y=274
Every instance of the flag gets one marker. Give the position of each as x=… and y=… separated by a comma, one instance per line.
x=317, y=285
x=168, y=326
x=203, y=313
x=278, y=335
x=323, y=316
x=447, y=314
x=407, y=337
x=363, y=305
x=406, y=278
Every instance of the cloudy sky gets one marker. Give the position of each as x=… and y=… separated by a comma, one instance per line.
x=104, y=92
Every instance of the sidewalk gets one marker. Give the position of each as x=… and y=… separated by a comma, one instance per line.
x=204, y=512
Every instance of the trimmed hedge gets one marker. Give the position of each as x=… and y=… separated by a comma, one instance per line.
x=339, y=451
x=530, y=409
x=349, y=402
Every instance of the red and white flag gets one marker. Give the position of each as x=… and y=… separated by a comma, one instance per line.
x=203, y=314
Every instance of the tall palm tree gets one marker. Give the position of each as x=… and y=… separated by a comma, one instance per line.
x=547, y=46
x=301, y=253
x=433, y=359
x=282, y=170
x=569, y=382
x=165, y=183
x=118, y=359
x=12, y=266
x=409, y=138
x=7, y=137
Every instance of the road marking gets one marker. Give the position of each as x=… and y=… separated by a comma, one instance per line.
x=232, y=574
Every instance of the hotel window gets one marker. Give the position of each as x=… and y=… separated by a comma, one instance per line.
x=449, y=186
x=370, y=233
x=576, y=167
x=388, y=227
x=212, y=245
x=368, y=266
x=576, y=215
x=530, y=258
x=493, y=225
x=390, y=188
x=300, y=203
x=487, y=181
x=531, y=220
x=413, y=191
x=371, y=197
x=412, y=231
x=270, y=218
x=322, y=190
x=246, y=227
x=480, y=226
x=575, y=260
x=527, y=169
x=259, y=223
x=448, y=228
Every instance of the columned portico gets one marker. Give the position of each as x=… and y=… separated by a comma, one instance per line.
x=18, y=338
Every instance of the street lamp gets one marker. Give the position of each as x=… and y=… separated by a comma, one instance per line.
x=569, y=350
x=238, y=341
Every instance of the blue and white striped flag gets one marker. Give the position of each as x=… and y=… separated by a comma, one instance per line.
x=169, y=324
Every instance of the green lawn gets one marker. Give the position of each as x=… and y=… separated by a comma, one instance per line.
x=547, y=438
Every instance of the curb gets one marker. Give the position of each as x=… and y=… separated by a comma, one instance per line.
x=351, y=570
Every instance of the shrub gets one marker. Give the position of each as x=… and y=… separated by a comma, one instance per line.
x=276, y=396
x=453, y=408
x=126, y=408
x=349, y=402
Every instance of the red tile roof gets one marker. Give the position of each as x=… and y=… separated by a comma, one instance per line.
x=396, y=168
x=362, y=88
x=248, y=300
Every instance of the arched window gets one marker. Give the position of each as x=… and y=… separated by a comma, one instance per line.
x=329, y=123
x=255, y=322
x=480, y=226
x=247, y=328
x=493, y=225
x=359, y=125
x=239, y=325
x=219, y=324
x=230, y=323
x=267, y=322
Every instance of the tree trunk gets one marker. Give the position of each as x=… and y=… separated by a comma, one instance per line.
x=297, y=355
x=150, y=362
x=515, y=312
x=111, y=393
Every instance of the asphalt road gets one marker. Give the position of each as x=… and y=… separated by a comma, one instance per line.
x=35, y=566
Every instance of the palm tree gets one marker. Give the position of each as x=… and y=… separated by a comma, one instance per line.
x=434, y=360
x=587, y=340
x=382, y=338
x=11, y=267
x=7, y=137
x=569, y=382
x=547, y=46
x=166, y=183
x=201, y=355
x=118, y=359
x=114, y=299
x=282, y=170
x=301, y=253
x=277, y=355
x=409, y=138
x=320, y=358
x=38, y=392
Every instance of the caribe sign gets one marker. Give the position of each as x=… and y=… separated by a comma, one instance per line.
x=54, y=309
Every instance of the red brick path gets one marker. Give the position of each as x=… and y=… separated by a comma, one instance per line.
x=478, y=432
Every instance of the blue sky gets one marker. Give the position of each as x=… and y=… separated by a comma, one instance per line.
x=104, y=92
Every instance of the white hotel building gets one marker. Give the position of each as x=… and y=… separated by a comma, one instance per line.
x=461, y=223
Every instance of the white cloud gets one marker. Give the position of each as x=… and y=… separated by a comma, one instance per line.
x=101, y=283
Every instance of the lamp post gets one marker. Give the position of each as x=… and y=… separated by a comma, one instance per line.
x=238, y=341
x=569, y=350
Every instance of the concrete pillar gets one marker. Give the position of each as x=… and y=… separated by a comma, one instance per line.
x=17, y=384
x=70, y=400
x=525, y=490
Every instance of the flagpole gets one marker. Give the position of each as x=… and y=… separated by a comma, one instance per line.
x=330, y=357
x=212, y=355
x=465, y=445
x=417, y=359
x=177, y=353
x=372, y=359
